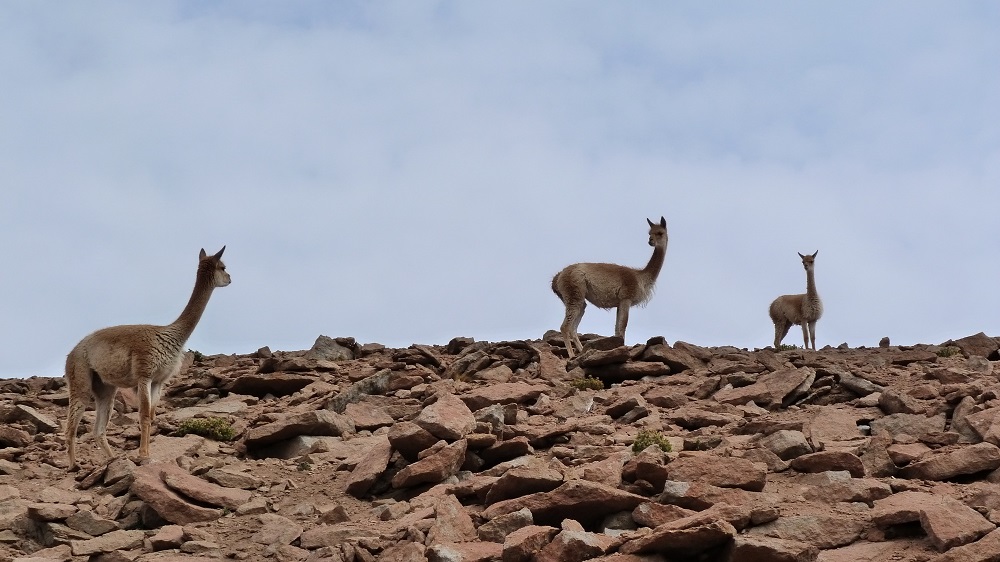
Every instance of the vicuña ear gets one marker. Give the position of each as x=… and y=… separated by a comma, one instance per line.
x=814, y=254
x=650, y=223
x=800, y=255
x=202, y=254
x=219, y=255
x=663, y=222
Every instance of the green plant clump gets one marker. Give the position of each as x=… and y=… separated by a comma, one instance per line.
x=787, y=347
x=587, y=383
x=948, y=351
x=218, y=429
x=198, y=356
x=645, y=438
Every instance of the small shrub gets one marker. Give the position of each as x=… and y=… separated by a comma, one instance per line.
x=587, y=383
x=645, y=438
x=218, y=429
x=948, y=351
x=197, y=355
x=787, y=347
x=304, y=466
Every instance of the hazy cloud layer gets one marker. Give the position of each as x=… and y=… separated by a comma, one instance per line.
x=405, y=172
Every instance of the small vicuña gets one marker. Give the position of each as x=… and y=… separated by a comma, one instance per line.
x=804, y=309
x=142, y=357
x=608, y=285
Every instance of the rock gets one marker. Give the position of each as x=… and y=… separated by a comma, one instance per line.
x=448, y=418
x=268, y=382
x=497, y=529
x=366, y=417
x=520, y=481
x=575, y=545
x=433, y=468
x=149, y=486
x=115, y=540
x=829, y=460
x=410, y=439
x=766, y=549
x=522, y=544
x=372, y=466
x=682, y=541
x=787, y=444
x=677, y=359
x=947, y=522
x=326, y=348
x=821, y=531
x=770, y=389
x=977, y=345
x=317, y=422
x=86, y=521
x=949, y=463
x=451, y=522
x=724, y=472
x=202, y=491
x=573, y=499
x=464, y=552
x=503, y=393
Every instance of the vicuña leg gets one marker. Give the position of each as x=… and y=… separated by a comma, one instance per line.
x=104, y=402
x=145, y=407
x=812, y=334
x=780, y=331
x=621, y=321
x=574, y=314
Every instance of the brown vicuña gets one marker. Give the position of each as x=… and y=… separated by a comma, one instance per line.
x=805, y=309
x=608, y=285
x=142, y=357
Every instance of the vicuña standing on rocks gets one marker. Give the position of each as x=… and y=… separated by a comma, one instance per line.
x=798, y=309
x=143, y=357
x=608, y=285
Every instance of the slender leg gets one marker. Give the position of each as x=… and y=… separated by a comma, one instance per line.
x=582, y=306
x=805, y=335
x=622, y=318
x=76, y=409
x=144, y=418
x=574, y=313
x=780, y=331
x=104, y=401
x=812, y=334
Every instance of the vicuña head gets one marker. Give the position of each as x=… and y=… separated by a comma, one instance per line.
x=142, y=357
x=804, y=309
x=607, y=285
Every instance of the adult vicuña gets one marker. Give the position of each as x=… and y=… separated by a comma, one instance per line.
x=798, y=309
x=608, y=285
x=142, y=357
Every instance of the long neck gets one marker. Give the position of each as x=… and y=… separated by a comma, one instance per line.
x=652, y=269
x=811, y=285
x=186, y=322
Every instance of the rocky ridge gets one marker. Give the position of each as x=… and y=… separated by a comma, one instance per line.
x=478, y=451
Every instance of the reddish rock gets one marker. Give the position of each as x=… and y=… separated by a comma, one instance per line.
x=573, y=499
x=433, y=468
x=366, y=472
x=767, y=549
x=452, y=522
x=520, y=481
x=448, y=418
x=464, y=552
x=502, y=393
x=203, y=491
x=684, y=541
x=654, y=514
x=947, y=521
x=821, y=531
x=699, y=496
x=949, y=463
x=317, y=422
x=522, y=544
x=824, y=461
x=410, y=439
x=986, y=549
x=366, y=416
x=724, y=472
x=786, y=443
x=575, y=546
x=150, y=487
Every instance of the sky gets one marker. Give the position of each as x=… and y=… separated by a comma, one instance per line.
x=411, y=171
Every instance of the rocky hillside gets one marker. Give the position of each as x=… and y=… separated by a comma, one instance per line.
x=480, y=451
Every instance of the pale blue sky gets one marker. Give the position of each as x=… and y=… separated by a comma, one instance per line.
x=406, y=172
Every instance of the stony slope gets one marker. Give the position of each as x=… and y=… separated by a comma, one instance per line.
x=498, y=451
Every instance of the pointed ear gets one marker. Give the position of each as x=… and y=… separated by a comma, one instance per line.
x=814, y=254
x=202, y=254
x=663, y=222
x=219, y=255
x=650, y=223
x=800, y=255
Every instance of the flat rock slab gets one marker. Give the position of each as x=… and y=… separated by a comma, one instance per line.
x=768, y=549
x=372, y=466
x=115, y=540
x=943, y=464
x=576, y=499
x=724, y=472
x=769, y=389
x=682, y=542
x=821, y=531
x=824, y=461
x=150, y=487
x=448, y=418
x=433, y=468
x=275, y=384
x=502, y=393
x=947, y=521
x=203, y=491
x=317, y=422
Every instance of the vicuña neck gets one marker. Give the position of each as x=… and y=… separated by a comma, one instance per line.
x=810, y=284
x=652, y=268
x=186, y=322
